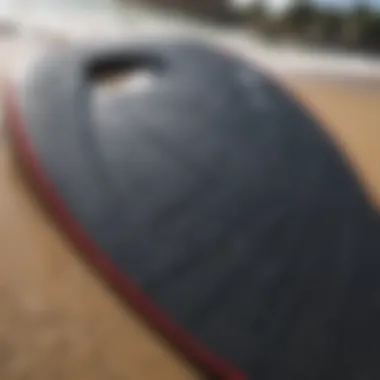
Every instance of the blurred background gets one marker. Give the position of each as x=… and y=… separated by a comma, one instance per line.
x=329, y=37
x=333, y=36
x=340, y=24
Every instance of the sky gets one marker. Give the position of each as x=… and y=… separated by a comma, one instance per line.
x=278, y=5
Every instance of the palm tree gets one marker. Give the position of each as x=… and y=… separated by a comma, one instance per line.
x=356, y=24
x=256, y=14
x=299, y=17
x=216, y=9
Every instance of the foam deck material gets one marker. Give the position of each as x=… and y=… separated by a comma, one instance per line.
x=214, y=204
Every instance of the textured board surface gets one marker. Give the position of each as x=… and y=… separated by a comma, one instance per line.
x=222, y=200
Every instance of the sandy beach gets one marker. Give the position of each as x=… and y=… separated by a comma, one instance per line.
x=349, y=111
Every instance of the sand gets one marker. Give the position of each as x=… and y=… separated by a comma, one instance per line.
x=58, y=320
x=349, y=111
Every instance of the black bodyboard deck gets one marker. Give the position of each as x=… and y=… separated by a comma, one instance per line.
x=215, y=205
